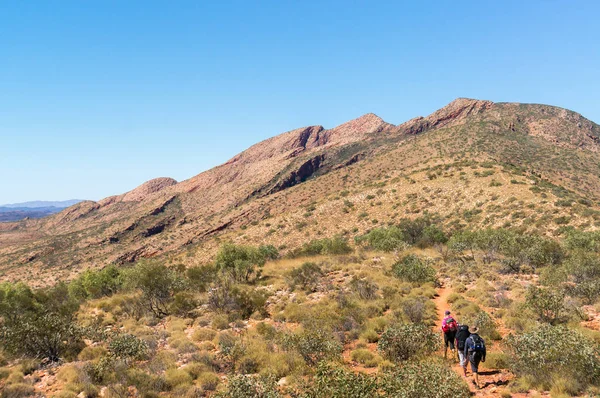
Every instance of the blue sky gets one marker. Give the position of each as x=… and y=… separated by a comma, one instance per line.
x=97, y=97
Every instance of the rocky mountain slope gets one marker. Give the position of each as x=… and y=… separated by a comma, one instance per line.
x=472, y=162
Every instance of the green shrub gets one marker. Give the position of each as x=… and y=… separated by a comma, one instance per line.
x=19, y=390
x=424, y=379
x=306, y=276
x=364, y=288
x=39, y=324
x=177, y=377
x=402, y=342
x=555, y=350
x=485, y=323
x=334, y=381
x=204, y=334
x=157, y=283
x=246, y=386
x=412, y=268
x=384, y=239
x=200, y=277
x=365, y=357
x=328, y=246
x=128, y=347
x=243, y=263
x=548, y=304
x=208, y=381
x=314, y=344
x=97, y=283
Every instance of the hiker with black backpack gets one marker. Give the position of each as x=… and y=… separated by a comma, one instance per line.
x=449, y=328
x=461, y=337
x=475, y=352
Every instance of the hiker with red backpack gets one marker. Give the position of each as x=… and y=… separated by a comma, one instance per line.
x=475, y=351
x=449, y=328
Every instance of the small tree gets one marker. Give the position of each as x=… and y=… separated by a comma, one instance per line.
x=243, y=263
x=547, y=304
x=158, y=285
x=306, y=276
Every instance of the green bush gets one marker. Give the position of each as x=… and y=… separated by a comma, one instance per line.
x=39, y=324
x=246, y=386
x=334, y=381
x=314, y=344
x=327, y=246
x=306, y=276
x=226, y=296
x=364, y=288
x=243, y=263
x=127, y=347
x=549, y=351
x=485, y=323
x=384, y=239
x=402, y=342
x=424, y=379
x=412, y=268
x=97, y=283
x=157, y=283
x=548, y=304
x=201, y=277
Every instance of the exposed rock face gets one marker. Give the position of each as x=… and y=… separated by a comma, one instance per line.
x=453, y=113
x=146, y=189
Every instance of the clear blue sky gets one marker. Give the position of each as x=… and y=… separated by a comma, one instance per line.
x=99, y=96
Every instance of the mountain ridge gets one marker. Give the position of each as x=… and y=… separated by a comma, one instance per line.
x=276, y=177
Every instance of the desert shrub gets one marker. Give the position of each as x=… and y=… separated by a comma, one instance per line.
x=327, y=246
x=247, y=386
x=365, y=357
x=18, y=390
x=547, y=304
x=587, y=241
x=370, y=335
x=177, y=377
x=306, y=276
x=208, y=381
x=412, y=268
x=127, y=347
x=204, y=334
x=402, y=342
x=549, y=351
x=243, y=263
x=364, y=288
x=157, y=283
x=414, y=308
x=183, y=303
x=314, y=344
x=270, y=252
x=39, y=324
x=200, y=277
x=485, y=323
x=334, y=381
x=226, y=296
x=97, y=283
x=423, y=379
x=91, y=353
x=385, y=239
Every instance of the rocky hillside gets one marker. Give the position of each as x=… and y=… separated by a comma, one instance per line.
x=472, y=162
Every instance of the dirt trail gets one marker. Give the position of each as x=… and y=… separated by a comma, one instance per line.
x=489, y=379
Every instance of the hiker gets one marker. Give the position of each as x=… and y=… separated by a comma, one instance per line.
x=449, y=327
x=475, y=352
x=461, y=337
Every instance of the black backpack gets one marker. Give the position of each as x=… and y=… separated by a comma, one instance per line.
x=477, y=344
x=462, y=336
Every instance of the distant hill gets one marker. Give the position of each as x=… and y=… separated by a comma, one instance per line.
x=35, y=209
x=472, y=163
x=61, y=204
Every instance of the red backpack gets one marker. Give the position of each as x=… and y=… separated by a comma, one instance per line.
x=449, y=325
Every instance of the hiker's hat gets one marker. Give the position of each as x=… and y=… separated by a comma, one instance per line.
x=447, y=312
x=475, y=329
